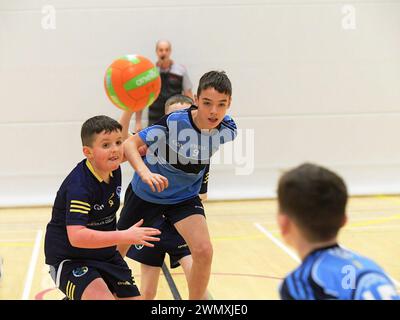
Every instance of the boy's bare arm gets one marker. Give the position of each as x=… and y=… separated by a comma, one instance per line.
x=124, y=121
x=138, y=117
x=131, y=153
x=83, y=237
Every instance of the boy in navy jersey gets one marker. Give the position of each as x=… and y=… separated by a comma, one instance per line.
x=168, y=180
x=312, y=203
x=171, y=242
x=81, y=237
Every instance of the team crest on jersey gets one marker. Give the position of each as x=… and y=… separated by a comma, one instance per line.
x=80, y=271
x=139, y=246
x=98, y=207
x=118, y=191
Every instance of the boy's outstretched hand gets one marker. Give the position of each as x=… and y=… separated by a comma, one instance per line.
x=155, y=181
x=140, y=235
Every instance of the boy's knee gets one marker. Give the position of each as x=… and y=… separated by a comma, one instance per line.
x=97, y=290
x=202, y=252
x=92, y=294
x=148, y=294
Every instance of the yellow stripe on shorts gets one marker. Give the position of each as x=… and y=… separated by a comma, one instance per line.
x=73, y=292
x=70, y=290
x=67, y=289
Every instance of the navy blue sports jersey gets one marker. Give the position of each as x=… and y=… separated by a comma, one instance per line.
x=337, y=273
x=180, y=151
x=83, y=199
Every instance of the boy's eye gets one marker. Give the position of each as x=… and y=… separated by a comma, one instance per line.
x=106, y=145
x=119, y=142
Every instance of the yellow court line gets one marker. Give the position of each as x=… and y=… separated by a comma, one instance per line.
x=234, y=238
x=17, y=231
x=16, y=244
x=395, y=199
x=373, y=221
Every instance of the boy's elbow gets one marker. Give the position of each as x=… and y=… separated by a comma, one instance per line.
x=129, y=143
x=74, y=241
x=73, y=237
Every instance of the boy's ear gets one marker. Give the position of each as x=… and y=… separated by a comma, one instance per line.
x=283, y=223
x=196, y=100
x=87, y=151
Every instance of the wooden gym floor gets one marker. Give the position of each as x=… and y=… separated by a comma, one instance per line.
x=250, y=259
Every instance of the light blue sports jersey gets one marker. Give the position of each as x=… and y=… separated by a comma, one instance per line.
x=337, y=273
x=179, y=151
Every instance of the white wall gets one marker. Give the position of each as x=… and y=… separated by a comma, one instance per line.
x=309, y=88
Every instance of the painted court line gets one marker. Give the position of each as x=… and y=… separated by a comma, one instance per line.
x=32, y=266
x=277, y=242
x=16, y=240
x=171, y=282
x=292, y=254
x=397, y=283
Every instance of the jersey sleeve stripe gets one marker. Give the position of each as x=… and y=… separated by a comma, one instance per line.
x=81, y=202
x=79, y=207
x=81, y=211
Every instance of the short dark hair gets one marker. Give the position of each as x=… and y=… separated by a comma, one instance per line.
x=315, y=198
x=178, y=98
x=217, y=80
x=96, y=125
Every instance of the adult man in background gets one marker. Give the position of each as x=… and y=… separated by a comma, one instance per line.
x=174, y=80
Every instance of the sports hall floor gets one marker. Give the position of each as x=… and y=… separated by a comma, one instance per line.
x=249, y=257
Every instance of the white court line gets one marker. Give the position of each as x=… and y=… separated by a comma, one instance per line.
x=32, y=266
x=292, y=254
x=277, y=242
x=397, y=283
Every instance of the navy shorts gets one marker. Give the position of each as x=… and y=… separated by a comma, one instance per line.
x=136, y=208
x=171, y=242
x=73, y=276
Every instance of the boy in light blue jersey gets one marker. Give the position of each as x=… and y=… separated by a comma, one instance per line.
x=171, y=242
x=169, y=179
x=312, y=202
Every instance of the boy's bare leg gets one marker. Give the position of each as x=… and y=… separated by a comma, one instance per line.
x=186, y=264
x=123, y=249
x=149, y=276
x=97, y=290
x=195, y=232
x=130, y=298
